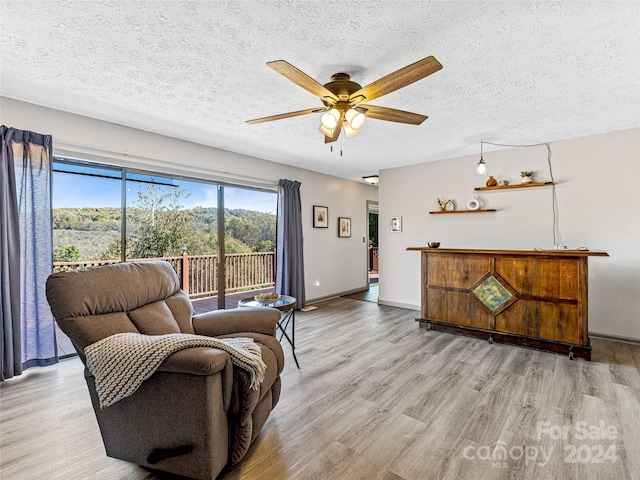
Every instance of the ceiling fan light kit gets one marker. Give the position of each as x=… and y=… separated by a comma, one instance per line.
x=353, y=121
x=344, y=99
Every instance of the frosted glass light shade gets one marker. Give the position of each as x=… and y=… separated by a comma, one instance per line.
x=481, y=168
x=327, y=131
x=372, y=179
x=330, y=119
x=349, y=132
x=355, y=118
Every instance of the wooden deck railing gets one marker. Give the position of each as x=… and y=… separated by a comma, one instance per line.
x=199, y=273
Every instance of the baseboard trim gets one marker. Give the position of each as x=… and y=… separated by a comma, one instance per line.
x=614, y=338
x=408, y=306
x=337, y=295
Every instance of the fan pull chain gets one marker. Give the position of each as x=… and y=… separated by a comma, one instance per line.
x=331, y=148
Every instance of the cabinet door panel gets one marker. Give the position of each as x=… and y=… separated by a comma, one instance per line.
x=457, y=271
x=457, y=308
x=546, y=278
x=546, y=320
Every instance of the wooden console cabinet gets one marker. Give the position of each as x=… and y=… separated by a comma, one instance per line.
x=533, y=298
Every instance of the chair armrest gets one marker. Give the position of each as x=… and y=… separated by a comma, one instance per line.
x=195, y=361
x=203, y=361
x=236, y=320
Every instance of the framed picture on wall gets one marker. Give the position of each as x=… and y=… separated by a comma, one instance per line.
x=344, y=227
x=396, y=224
x=320, y=217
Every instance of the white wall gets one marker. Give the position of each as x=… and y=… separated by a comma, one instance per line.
x=338, y=264
x=598, y=196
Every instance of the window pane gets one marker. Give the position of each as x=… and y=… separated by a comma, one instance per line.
x=250, y=222
x=250, y=239
x=167, y=216
x=86, y=214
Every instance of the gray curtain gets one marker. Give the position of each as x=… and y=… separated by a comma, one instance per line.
x=290, y=264
x=28, y=329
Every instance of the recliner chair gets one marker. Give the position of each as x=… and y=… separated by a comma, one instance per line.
x=196, y=413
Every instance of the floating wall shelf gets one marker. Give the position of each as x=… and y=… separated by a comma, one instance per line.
x=464, y=211
x=519, y=185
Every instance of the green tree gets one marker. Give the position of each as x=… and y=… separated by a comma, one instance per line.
x=158, y=225
x=67, y=253
x=87, y=219
x=251, y=227
x=243, y=230
x=162, y=228
x=114, y=251
x=373, y=229
x=231, y=245
x=265, y=246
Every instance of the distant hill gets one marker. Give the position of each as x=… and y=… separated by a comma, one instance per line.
x=94, y=230
x=92, y=244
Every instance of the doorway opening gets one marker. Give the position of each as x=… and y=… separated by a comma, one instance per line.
x=371, y=293
x=373, y=272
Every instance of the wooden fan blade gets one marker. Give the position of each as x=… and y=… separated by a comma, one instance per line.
x=393, y=115
x=285, y=115
x=396, y=80
x=303, y=80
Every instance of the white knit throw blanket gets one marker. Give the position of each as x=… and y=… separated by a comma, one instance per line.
x=121, y=362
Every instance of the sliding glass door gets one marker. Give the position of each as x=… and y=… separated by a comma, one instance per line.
x=219, y=238
x=250, y=242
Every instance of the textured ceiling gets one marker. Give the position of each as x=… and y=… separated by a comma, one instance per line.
x=514, y=72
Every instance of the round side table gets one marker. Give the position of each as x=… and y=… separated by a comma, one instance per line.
x=287, y=306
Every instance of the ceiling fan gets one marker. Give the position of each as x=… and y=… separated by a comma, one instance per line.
x=344, y=99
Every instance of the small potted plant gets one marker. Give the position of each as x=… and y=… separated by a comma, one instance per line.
x=442, y=204
x=527, y=177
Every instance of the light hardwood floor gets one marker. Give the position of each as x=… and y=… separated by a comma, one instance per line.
x=376, y=398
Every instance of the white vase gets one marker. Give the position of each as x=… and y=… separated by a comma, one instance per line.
x=473, y=204
x=526, y=180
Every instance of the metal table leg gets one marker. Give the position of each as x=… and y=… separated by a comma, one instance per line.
x=286, y=317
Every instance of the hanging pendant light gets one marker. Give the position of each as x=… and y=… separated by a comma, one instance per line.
x=481, y=167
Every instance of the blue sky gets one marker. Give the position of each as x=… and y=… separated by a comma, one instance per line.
x=71, y=190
